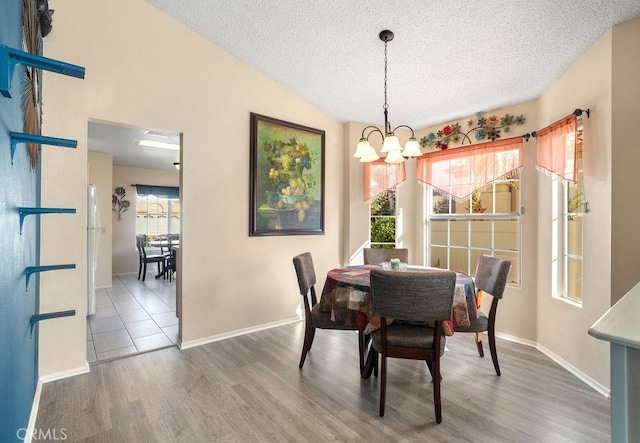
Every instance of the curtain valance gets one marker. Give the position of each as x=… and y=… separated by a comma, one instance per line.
x=158, y=191
x=556, y=149
x=380, y=176
x=461, y=171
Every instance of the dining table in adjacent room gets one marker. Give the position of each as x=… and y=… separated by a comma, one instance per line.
x=346, y=295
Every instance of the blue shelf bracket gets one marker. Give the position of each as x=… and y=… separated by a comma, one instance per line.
x=21, y=137
x=36, y=211
x=39, y=317
x=10, y=57
x=34, y=269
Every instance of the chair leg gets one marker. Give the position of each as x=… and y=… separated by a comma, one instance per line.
x=139, y=270
x=309, y=333
x=383, y=384
x=436, y=389
x=492, y=348
x=361, y=346
x=144, y=271
x=479, y=343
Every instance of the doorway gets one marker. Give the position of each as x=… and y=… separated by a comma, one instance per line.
x=133, y=315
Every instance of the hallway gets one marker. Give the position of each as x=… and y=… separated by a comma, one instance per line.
x=132, y=317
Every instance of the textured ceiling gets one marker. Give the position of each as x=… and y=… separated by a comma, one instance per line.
x=449, y=58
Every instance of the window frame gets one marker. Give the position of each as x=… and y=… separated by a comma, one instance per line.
x=560, y=218
x=393, y=216
x=470, y=217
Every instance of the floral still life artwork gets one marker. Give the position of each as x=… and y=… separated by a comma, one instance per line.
x=287, y=178
x=119, y=204
x=481, y=128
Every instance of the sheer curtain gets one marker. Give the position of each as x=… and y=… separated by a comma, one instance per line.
x=461, y=171
x=380, y=176
x=556, y=150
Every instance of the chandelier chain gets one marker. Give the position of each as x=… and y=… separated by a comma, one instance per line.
x=386, y=106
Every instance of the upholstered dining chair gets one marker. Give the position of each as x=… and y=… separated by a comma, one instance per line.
x=422, y=299
x=144, y=258
x=374, y=256
x=491, y=277
x=313, y=318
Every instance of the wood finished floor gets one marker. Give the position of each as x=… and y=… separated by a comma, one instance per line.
x=249, y=389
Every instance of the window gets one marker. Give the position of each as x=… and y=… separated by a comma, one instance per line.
x=157, y=216
x=487, y=222
x=567, y=221
x=382, y=210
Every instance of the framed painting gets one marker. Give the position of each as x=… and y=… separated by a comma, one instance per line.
x=287, y=178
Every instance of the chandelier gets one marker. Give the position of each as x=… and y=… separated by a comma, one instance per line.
x=390, y=145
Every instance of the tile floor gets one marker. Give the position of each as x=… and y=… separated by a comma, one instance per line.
x=132, y=317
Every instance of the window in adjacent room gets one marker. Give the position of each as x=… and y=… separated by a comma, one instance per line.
x=382, y=210
x=567, y=224
x=157, y=216
x=487, y=222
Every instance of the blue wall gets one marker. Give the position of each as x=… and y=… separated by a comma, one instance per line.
x=19, y=186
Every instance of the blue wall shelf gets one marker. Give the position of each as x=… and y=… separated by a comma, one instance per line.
x=39, y=317
x=36, y=211
x=21, y=137
x=35, y=269
x=10, y=57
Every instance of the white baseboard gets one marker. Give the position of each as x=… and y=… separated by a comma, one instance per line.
x=34, y=412
x=36, y=397
x=125, y=273
x=236, y=333
x=64, y=374
x=602, y=390
x=514, y=339
x=104, y=287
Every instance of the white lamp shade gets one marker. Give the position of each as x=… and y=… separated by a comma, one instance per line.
x=371, y=156
x=412, y=149
x=394, y=157
x=391, y=143
x=363, y=148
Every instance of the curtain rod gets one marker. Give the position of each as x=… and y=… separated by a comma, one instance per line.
x=577, y=113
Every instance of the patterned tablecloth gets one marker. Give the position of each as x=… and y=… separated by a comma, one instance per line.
x=346, y=295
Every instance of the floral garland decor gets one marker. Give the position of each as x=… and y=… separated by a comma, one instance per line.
x=118, y=203
x=481, y=128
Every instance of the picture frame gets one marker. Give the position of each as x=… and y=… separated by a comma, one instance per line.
x=286, y=178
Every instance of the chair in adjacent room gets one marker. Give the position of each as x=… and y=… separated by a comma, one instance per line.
x=313, y=317
x=491, y=277
x=418, y=303
x=144, y=258
x=374, y=256
x=170, y=264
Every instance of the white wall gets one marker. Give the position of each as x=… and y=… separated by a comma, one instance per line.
x=562, y=327
x=625, y=158
x=147, y=70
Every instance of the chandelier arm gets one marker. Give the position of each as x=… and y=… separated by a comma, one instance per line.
x=405, y=126
x=373, y=129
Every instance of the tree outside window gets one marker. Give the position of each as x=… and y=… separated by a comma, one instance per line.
x=382, y=210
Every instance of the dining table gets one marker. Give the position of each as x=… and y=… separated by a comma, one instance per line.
x=164, y=244
x=346, y=295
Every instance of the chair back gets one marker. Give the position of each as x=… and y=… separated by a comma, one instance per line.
x=305, y=271
x=417, y=296
x=491, y=275
x=140, y=241
x=374, y=256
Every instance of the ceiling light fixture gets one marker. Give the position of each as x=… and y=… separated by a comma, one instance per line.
x=157, y=144
x=391, y=146
x=177, y=165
